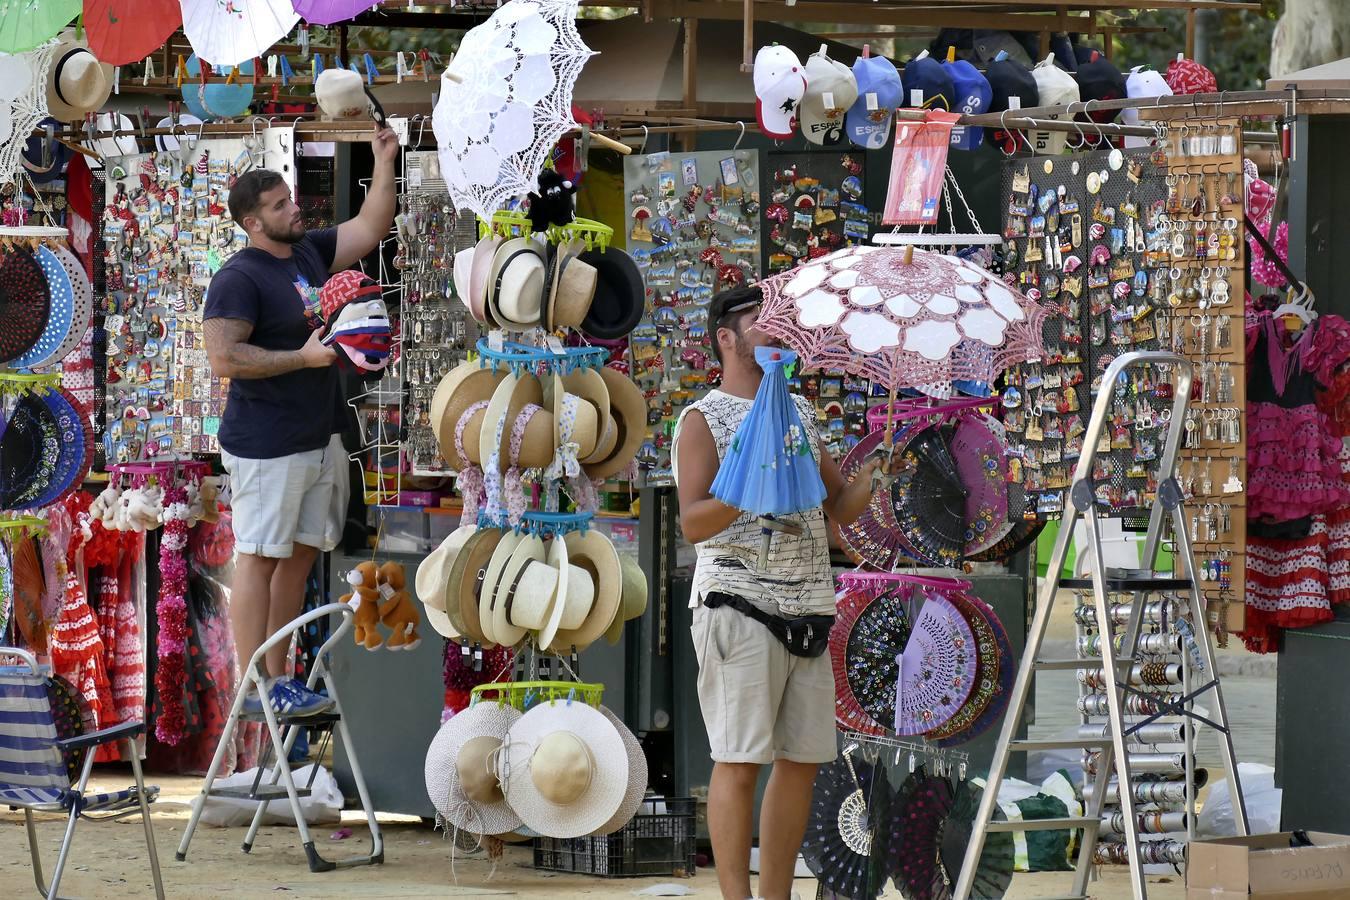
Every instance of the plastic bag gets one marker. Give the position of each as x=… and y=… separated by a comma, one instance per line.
x=323, y=805
x=914, y=194
x=1262, y=799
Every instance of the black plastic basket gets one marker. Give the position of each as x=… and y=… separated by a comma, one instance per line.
x=653, y=844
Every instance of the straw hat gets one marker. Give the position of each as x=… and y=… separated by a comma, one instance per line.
x=571, y=289
x=590, y=385
x=634, y=597
x=342, y=94
x=565, y=768
x=77, y=83
x=461, y=781
x=574, y=597
x=513, y=394
x=461, y=594
x=515, y=284
x=492, y=574
x=583, y=412
x=629, y=411
x=593, y=552
x=483, y=254
x=527, y=579
x=433, y=578
x=461, y=388
x=637, y=777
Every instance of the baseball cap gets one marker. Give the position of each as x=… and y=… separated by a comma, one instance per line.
x=988, y=44
x=1012, y=87
x=1099, y=79
x=923, y=73
x=1186, y=76
x=830, y=90
x=879, y=92
x=971, y=93
x=1056, y=87
x=1142, y=82
x=779, y=85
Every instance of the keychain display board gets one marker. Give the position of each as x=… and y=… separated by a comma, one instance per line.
x=1205, y=302
x=1090, y=233
x=693, y=223
x=814, y=204
x=166, y=230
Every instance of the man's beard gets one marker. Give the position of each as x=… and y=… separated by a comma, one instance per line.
x=292, y=234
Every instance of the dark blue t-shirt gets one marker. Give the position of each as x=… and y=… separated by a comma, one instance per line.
x=291, y=413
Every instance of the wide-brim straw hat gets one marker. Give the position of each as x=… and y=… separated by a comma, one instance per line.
x=523, y=583
x=432, y=580
x=571, y=289
x=565, y=769
x=628, y=408
x=634, y=597
x=512, y=395
x=492, y=574
x=462, y=387
x=593, y=552
x=637, y=777
x=584, y=427
x=77, y=83
x=445, y=785
x=483, y=254
x=461, y=598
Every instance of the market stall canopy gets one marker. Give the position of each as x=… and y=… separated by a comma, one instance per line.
x=1328, y=76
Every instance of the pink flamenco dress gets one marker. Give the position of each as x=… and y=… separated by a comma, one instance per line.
x=1298, y=471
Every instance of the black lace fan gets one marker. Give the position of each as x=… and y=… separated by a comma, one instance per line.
x=930, y=498
x=994, y=872
x=845, y=836
x=921, y=806
x=875, y=641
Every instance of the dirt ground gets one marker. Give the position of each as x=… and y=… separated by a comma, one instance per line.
x=108, y=861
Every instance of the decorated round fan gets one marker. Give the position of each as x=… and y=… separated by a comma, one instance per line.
x=845, y=842
x=1007, y=668
x=1019, y=531
x=980, y=463
x=986, y=670
x=24, y=302
x=876, y=640
x=994, y=872
x=874, y=538
x=930, y=499
x=921, y=805
x=848, y=713
x=76, y=453
x=937, y=668
x=29, y=448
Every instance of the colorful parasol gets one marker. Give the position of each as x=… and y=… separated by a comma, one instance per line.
x=902, y=317
x=937, y=668
x=330, y=12
x=127, y=31
x=844, y=845
x=229, y=32
x=505, y=100
x=26, y=24
x=994, y=873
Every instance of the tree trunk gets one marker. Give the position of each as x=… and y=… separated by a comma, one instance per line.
x=1310, y=33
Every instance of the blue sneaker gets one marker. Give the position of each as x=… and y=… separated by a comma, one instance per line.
x=290, y=697
x=252, y=704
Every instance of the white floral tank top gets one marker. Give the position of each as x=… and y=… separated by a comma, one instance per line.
x=797, y=578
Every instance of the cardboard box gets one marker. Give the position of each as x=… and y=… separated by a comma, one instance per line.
x=1264, y=866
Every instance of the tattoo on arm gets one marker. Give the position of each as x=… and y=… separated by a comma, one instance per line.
x=233, y=357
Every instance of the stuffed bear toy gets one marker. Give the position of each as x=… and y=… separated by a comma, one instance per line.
x=397, y=611
x=552, y=205
x=364, y=580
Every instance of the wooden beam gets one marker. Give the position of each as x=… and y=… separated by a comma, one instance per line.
x=1190, y=34
x=747, y=35
x=824, y=11
x=690, y=97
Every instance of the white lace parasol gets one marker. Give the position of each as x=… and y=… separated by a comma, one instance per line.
x=506, y=99
x=23, y=103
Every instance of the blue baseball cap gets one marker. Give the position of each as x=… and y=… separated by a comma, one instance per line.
x=868, y=122
x=923, y=73
x=972, y=95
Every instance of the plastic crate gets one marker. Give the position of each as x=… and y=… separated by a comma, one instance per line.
x=655, y=843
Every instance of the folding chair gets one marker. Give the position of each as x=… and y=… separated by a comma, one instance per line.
x=33, y=774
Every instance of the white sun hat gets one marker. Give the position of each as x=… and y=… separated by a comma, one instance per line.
x=564, y=769
x=637, y=777
x=461, y=774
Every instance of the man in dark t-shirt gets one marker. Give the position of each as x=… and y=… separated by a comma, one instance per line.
x=279, y=435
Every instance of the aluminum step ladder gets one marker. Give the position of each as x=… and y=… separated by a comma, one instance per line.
x=1116, y=662
x=283, y=731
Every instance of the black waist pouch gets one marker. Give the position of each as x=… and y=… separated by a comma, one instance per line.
x=802, y=636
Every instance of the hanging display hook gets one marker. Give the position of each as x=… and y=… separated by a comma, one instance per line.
x=740, y=137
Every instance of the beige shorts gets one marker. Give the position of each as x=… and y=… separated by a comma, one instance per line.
x=296, y=499
x=760, y=703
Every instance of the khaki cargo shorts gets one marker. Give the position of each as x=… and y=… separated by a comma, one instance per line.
x=759, y=702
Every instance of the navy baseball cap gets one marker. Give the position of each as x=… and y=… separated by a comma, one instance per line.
x=923, y=73
x=972, y=94
x=868, y=123
x=1009, y=78
x=1099, y=79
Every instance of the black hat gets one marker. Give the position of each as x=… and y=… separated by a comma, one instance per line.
x=1098, y=79
x=620, y=297
x=1009, y=78
x=45, y=157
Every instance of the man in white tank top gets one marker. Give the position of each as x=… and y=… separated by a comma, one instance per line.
x=761, y=704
